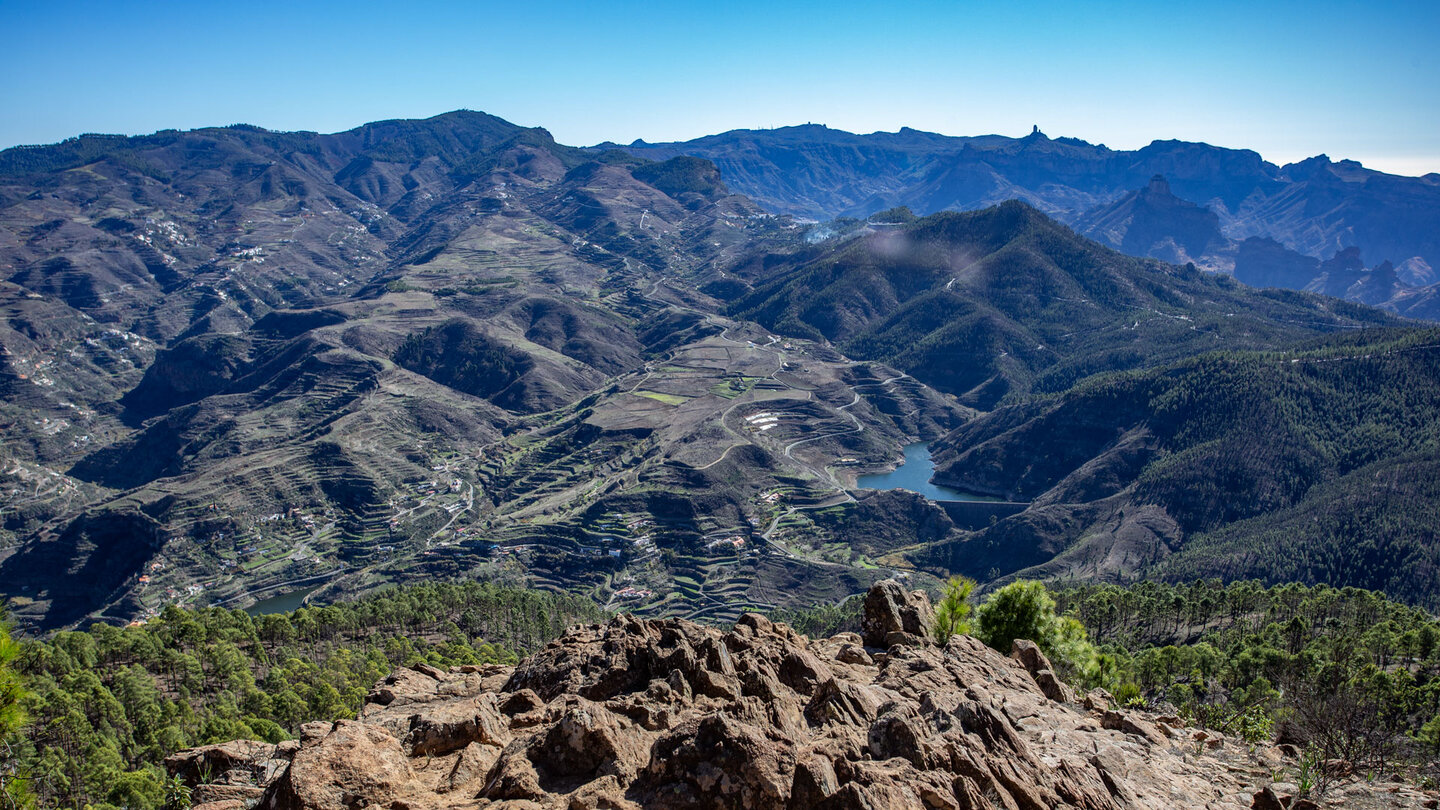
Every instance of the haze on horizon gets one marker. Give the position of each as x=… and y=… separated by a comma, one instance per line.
x=1287, y=79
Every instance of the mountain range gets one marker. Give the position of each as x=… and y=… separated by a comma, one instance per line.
x=1172, y=200
x=240, y=363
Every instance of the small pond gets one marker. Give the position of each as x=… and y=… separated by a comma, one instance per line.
x=914, y=474
x=282, y=603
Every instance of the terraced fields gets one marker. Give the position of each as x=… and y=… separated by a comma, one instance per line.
x=477, y=357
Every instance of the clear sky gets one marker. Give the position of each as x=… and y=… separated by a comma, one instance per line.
x=1357, y=80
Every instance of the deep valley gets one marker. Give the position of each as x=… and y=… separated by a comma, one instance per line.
x=241, y=363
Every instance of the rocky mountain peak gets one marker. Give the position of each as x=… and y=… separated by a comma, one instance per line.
x=1347, y=259
x=1152, y=221
x=1306, y=169
x=670, y=714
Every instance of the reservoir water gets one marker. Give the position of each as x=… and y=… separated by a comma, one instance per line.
x=283, y=603
x=914, y=474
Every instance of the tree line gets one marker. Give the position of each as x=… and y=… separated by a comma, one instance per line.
x=96, y=711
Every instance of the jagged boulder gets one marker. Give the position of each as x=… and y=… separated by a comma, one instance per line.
x=355, y=760
x=894, y=616
x=1030, y=656
x=456, y=724
x=671, y=715
x=239, y=762
x=717, y=761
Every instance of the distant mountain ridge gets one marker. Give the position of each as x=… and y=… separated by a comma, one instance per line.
x=208, y=335
x=1152, y=222
x=1315, y=207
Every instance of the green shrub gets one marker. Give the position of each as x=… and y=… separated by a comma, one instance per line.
x=1025, y=609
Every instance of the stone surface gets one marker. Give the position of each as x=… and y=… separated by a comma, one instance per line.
x=354, y=760
x=212, y=793
x=1129, y=723
x=1098, y=700
x=670, y=715
x=1268, y=799
x=239, y=762
x=1029, y=655
x=895, y=616
x=1053, y=687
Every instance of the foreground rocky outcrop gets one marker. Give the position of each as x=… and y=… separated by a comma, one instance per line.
x=669, y=714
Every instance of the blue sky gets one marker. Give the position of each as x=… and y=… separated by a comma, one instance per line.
x=1288, y=79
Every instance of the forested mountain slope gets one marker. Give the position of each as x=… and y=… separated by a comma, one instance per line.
x=109, y=704
x=1314, y=465
x=996, y=304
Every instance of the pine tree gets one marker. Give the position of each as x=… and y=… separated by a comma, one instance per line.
x=12, y=718
x=952, y=615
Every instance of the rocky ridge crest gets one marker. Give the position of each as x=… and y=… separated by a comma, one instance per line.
x=670, y=714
